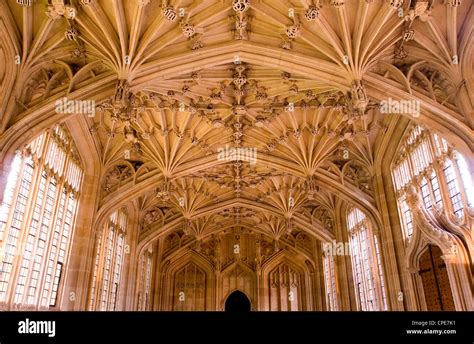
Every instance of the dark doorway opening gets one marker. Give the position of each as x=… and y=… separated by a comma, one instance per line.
x=438, y=295
x=237, y=302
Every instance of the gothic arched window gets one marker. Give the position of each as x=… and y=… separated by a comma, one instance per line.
x=366, y=263
x=108, y=264
x=407, y=217
x=440, y=174
x=330, y=281
x=37, y=220
x=145, y=280
x=453, y=188
x=466, y=179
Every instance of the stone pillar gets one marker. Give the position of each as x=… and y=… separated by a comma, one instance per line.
x=317, y=280
x=345, y=293
x=157, y=287
x=461, y=287
x=81, y=259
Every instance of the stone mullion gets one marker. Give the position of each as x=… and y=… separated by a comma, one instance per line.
x=100, y=267
x=427, y=176
x=156, y=301
x=113, y=261
x=42, y=280
x=258, y=272
x=98, y=251
x=411, y=168
x=127, y=281
x=48, y=243
x=111, y=266
x=443, y=186
x=362, y=268
x=343, y=264
x=378, y=275
x=69, y=241
x=317, y=279
x=153, y=282
x=138, y=296
x=434, y=168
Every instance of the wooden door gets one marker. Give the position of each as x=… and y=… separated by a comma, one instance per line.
x=434, y=276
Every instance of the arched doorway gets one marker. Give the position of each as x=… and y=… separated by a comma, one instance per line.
x=436, y=287
x=237, y=302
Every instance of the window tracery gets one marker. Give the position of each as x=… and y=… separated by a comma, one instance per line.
x=109, y=256
x=366, y=263
x=37, y=220
x=438, y=172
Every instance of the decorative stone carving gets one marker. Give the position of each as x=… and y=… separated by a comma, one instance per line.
x=130, y=134
x=71, y=33
x=286, y=44
x=400, y=52
x=196, y=76
x=396, y=3
x=359, y=97
x=79, y=51
x=261, y=94
x=311, y=187
x=293, y=89
x=358, y=175
x=304, y=242
x=188, y=29
x=240, y=79
x=122, y=94
x=240, y=6
x=284, y=276
x=337, y=3
x=323, y=216
x=163, y=191
x=427, y=223
x=293, y=31
x=197, y=44
x=421, y=10
x=241, y=31
x=59, y=9
x=171, y=242
x=218, y=123
x=312, y=13
x=285, y=76
x=187, y=227
x=116, y=176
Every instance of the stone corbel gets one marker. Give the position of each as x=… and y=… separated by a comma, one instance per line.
x=457, y=229
x=425, y=226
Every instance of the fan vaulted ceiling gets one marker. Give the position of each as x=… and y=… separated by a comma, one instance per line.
x=176, y=81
